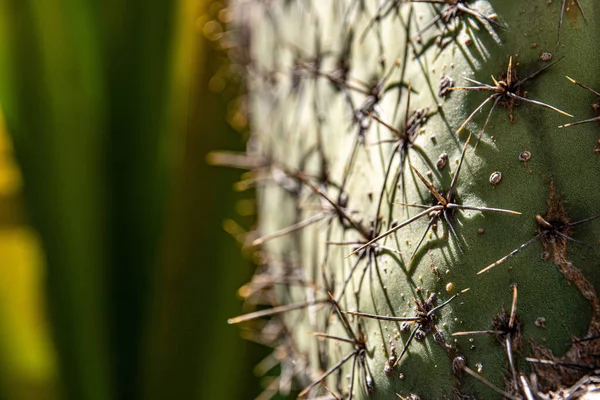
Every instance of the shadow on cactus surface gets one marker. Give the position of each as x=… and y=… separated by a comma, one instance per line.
x=385, y=274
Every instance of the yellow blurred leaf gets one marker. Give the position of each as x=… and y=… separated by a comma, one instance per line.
x=25, y=347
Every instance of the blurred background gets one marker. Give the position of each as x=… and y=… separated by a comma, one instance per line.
x=119, y=263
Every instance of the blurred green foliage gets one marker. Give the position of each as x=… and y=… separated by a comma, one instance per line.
x=112, y=107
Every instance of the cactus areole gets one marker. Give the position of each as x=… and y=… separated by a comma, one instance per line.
x=428, y=184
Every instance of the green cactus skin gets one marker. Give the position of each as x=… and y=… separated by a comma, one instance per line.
x=315, y=71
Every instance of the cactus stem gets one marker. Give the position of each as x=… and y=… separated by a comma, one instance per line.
x=354, y=139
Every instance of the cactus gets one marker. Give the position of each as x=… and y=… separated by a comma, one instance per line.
x=427, y=183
